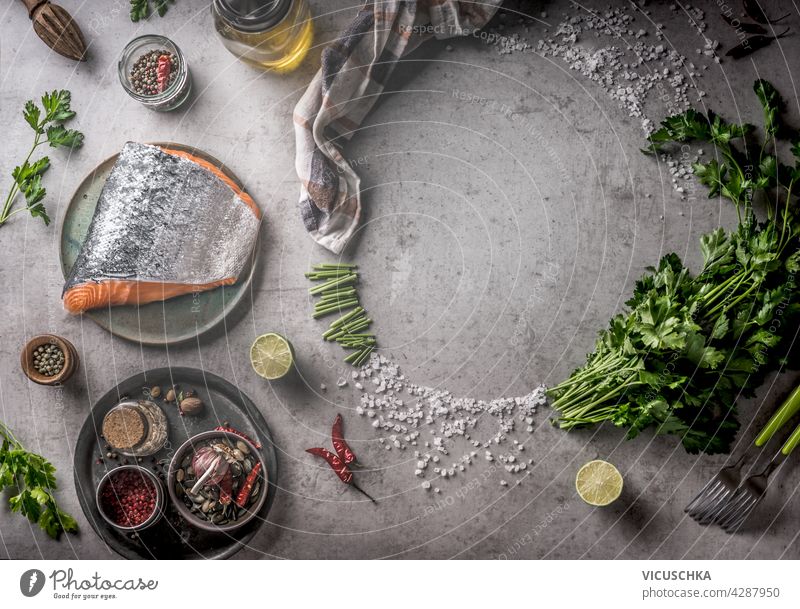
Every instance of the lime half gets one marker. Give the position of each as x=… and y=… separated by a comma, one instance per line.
x=598, y=483
x=271, y=356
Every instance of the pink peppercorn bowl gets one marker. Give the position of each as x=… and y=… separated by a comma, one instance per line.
x=158, y=508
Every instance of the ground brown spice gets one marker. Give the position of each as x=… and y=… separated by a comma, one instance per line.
x=123, y=428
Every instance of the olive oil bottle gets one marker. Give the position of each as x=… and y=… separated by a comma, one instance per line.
x=270, y=34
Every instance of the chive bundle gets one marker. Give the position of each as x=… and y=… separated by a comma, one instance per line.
x=338, y=295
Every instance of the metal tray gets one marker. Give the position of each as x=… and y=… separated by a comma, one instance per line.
x=172, y=537
x=158, y=323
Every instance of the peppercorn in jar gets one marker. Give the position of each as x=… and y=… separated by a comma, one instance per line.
x=153, y=71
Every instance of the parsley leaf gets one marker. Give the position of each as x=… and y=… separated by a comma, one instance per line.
x=140, y=9
x=47, y=123
x=772, y=104
x=32, y=114
x=33, y=478
x=690, y=345
x=711, y=175
x=161, y=6
x=58, y=135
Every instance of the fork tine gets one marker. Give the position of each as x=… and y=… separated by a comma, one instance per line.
x=704, y=496
x=736, y=500
x=711, y=497
x=741, y=509
x=733, y=525
x=728, y=505
x=716, y=491
x=720, y=502
x=703, y=517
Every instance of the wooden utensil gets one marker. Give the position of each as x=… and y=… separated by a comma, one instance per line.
x=56, y=27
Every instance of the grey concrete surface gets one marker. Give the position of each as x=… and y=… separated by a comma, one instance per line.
x=478, y=222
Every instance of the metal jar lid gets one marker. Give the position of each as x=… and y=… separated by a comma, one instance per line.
x=252, y=15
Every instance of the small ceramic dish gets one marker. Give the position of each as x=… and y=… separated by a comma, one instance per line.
x=117, y=494
x=182, y=499
x=40, y=343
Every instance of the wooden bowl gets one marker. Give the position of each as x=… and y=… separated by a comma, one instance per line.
x=70, y=359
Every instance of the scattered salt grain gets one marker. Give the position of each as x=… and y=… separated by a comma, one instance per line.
x=450, y=421
x=627, y=70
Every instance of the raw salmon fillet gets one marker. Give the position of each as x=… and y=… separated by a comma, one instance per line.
x=167, y=223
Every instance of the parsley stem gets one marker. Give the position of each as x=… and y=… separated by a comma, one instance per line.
x=5, y=215
x=585, y=374
x=737, y=301
x=6, y=432
x=711, y=296
x=583, y=409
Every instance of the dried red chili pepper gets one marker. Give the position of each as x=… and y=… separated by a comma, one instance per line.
x=340, y=467
x=244, y=493
x=340, y=444
x=236, y=432
x=163, y=69
x=226, y=488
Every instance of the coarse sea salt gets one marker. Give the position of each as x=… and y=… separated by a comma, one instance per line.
x=403, y=410
x=626, y=67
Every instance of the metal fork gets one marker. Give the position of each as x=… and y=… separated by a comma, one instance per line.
x=716, y=492
x=746, y=498
x=752, y=491
x=728, y=502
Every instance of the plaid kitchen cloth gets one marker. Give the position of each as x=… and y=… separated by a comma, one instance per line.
x=355, y=69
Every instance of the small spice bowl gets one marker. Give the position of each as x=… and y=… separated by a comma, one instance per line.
x=65, y=358
x=130, y=498
x=200, y=510
x=135, y=75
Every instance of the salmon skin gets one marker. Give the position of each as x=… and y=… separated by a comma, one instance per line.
x=167, y=223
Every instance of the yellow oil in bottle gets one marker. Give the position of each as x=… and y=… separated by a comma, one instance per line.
x=280, y=48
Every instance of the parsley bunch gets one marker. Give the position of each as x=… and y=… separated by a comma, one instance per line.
x=34, y=478
x=48, y=128
x=691, y=345
x=140, y=9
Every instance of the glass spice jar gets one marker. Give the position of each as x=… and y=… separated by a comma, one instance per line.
x=135, y=428
x=270, y=34
x=153, y=71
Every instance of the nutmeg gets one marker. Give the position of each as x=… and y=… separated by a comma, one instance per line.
x=191, y=406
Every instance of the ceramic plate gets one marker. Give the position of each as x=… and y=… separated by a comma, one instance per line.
x=172, y=537
x=158, y=323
